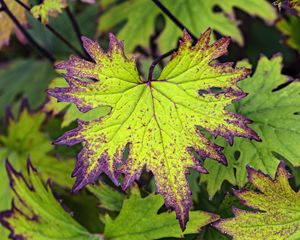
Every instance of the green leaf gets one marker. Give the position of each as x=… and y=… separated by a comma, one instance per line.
x=156, y=119
x=291, y=28
x=277, y=208
x=71, y=112
x=140, y=15
x=24, y=139
x=7, y=27
x=138, y=220
x=36, y=214
x=275, y=121
x=28, y=78
x=48, y=8
x=108, y=197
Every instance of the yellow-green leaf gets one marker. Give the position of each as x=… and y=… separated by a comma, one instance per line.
x=276, y=209
x=156, y=119
x=7, y=27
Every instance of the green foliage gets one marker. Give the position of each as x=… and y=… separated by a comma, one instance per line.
x=154, y=116
x=291, y=28
x=138, y=220
x=36, y=214
x=276, y=209
x=25, y=139
x=275, y=121
x=17, y=79
x=140, y=15
x=109, y=198
x=48, y=8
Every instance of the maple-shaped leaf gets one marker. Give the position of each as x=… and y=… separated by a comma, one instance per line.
x=156, y=119
x=140, y=16
x=36, y=214
x=24, y=138
x=275, y=121
x=276, y=209
x=290, y=27
x=71, y=112
x=150, y=225
x=7, y=27
x=48, y=8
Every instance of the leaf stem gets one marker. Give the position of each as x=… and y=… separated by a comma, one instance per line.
x=173, y=18
x=57, y=34
x=157, y=60
x=42, y=50
x=77, y=30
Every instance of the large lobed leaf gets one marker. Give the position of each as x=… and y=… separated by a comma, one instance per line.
x=275, y=119
x=157, y=119
x=277, y=209
x=138, y=220
x=7, y=27
x=140, y=15
x=36, y=214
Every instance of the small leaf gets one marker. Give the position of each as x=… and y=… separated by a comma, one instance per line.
x=291, y=28
x=48, y=8
x=35, y=213
x=7, y=27
x=275, y=119
x=108, y=197
x=140, y=15
x=138, y=220
x=157, y=119
x=277, y=208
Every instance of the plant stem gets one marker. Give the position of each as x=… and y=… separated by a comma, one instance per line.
x=156, y=61
x=42, y=50
x=77, y=30
x=57, y=34
x=173, y=18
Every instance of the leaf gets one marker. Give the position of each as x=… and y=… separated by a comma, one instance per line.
x=290, y=6
x=71, y=112
x=28, y=78
x=276, y=214
x=291, y=28
x=157, y=119
x=48, y=8
x=109, y=198
x=7, y=27
x=138, y=220
x=139, y=18
x=35, y=214
x=275, y=121
x=24, y=139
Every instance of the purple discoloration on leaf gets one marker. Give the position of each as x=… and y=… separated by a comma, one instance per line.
x=158, y=118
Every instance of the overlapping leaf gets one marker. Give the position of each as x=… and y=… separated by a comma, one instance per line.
x=276, y=209
x=157, y=119
x=35, y=213
x=138, y=220
x=24, y=139
x=275, y=119
x=7, y=27
x=48, y=8
x=139, y=17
